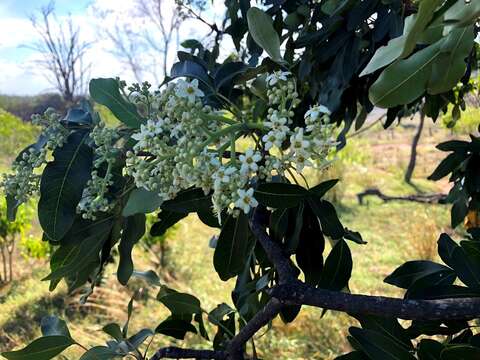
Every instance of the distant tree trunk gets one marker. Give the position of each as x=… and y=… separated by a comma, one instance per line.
x=4, y=261
x=413, y=152
x=10, y=259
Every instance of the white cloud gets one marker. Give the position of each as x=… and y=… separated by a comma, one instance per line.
x=21, y=76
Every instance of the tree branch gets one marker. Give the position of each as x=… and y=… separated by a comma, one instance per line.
x=262, y=318
x=420, y=198
x=299, y=293
x=173, y=352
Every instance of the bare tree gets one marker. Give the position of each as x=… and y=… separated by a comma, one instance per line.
x=62, y=52
x=146, y=46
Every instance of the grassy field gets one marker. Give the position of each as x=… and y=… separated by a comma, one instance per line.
x=394, y=231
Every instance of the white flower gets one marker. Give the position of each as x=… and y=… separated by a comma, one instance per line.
x=298, y=143
x=315, y=111
x=301, y=160
x=249, y=161
x=188, y=90
x=277, y=76
x=246, y=200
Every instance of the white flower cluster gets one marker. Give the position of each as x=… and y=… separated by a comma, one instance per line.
x=94, y=197
x=183, y=144
x=24, y=181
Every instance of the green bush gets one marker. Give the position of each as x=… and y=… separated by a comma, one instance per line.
x=15, y=134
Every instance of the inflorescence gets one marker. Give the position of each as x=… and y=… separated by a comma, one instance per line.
x=186, y=143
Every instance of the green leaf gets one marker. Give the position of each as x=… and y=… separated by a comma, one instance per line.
x=388, y=327
x=466, y=263
x=420, y=21
x=463, y=13
x=133, y=230
x=113, y=329
x=142, y=201
x=100, y=353
x=166, y=220
x=292, y=238
x=43, y=348
x=446, y=246
x=321, y=189
x=447, y=165
x=385, y=55
x=325, y=211
x=280, y=195
x=450, y=66
x=176, y=328
x=309, y=252
x=379, y=347
x=260, y=26
x=129, y=316
x=136, y=340
x=217, y=315
x=52, y=325
x=190, y=69
x=187, y=201
x=72, y=259
x=410, y=272
x=180, y=303
x=233, y=247
x=62, y=185
x=405, y=80
x=354, y=355
x=338, y=267
x=429, y=349
x=107, y=92
x=459, y=211
x=227, y=73
x=460, y=352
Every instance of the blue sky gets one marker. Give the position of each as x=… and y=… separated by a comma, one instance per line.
x=20, y=74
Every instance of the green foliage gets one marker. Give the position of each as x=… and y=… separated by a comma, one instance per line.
x=15, y=134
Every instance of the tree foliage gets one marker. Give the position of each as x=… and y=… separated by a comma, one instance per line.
x=345, y=58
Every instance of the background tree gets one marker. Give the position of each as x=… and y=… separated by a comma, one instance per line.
x=62, y=53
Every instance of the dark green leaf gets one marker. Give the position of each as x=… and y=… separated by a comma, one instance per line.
x=386, y=326
x=107, y=92
x=445, y=248
x=136, y=340
x=62, y=185
x=429, y=349
x=218, y=314
x=309, y=253
x=175, y=328
x=289, y=313
x=228, y=72
x=459, y=211
x=43, y=348
x=233, y=247
x=296, y=224
x=460, y=352
x=280, y=195
x=141, y=201
x=410, y=272
x=321, y=189
x=187, y=201
x=447, y=165
x=133, y=230
x=113, y=329
x=378, y=346
x=260, y=26
x=180, y=303
x=465, y=261
x=331, y=225
x=338, y=267
x=166, y=220
x=190, y=69
x=100, y=353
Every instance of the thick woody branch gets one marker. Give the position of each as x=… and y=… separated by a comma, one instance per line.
x=262, y=318
x=179, y=353
x=299, y=293
x=275, y=254
x=420, y=198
